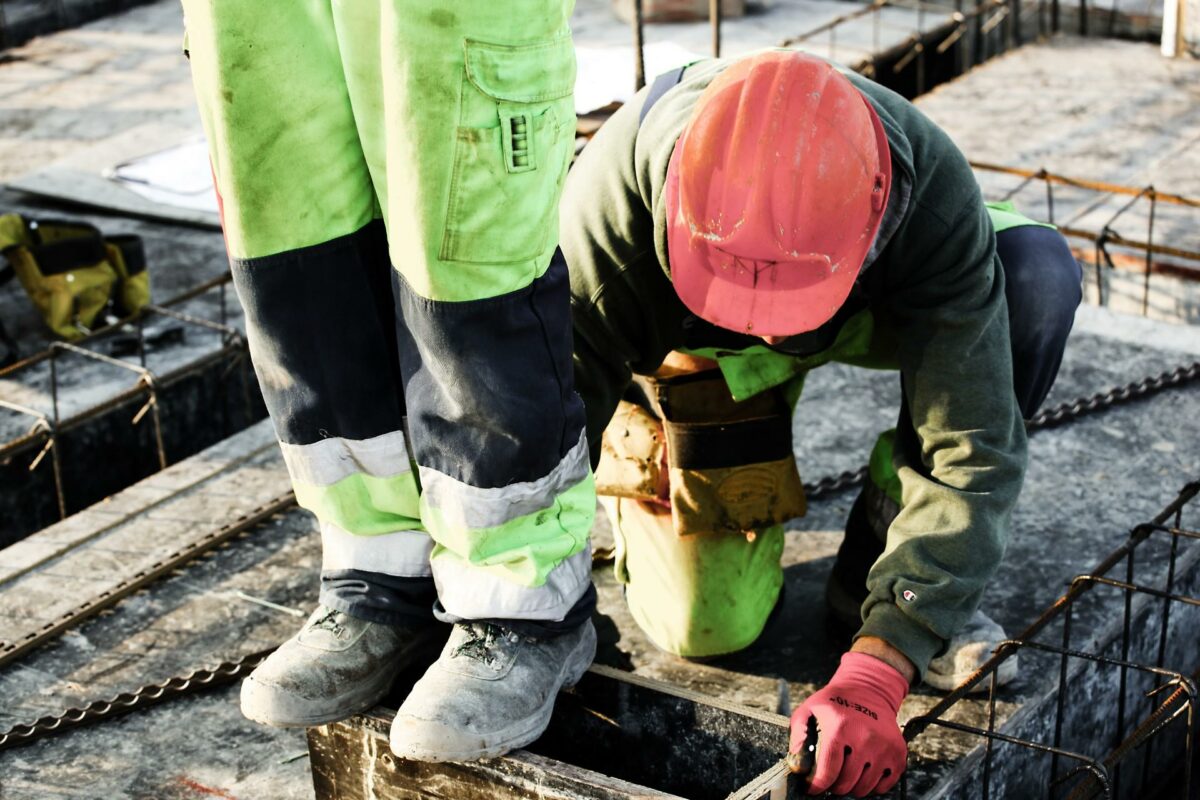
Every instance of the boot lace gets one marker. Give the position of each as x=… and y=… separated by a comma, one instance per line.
x=485, y=642
x=329, y=623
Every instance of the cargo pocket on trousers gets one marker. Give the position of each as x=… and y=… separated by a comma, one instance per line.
x=514, y=139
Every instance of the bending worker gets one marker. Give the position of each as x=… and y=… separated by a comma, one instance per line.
x=766, y=216
x=389, y=172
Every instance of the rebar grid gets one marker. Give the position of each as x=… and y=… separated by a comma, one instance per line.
x=953, y=22
x=1107, y=235
x=1089, y=776
x=48, y=427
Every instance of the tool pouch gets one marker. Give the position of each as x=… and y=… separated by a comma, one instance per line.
x=631, y=454
x=64, y=269
x=731, y=466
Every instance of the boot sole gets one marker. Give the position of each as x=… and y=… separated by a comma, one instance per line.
x=531, y=728
x=257, y=710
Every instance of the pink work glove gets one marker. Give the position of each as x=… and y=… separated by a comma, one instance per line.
x=860, y=749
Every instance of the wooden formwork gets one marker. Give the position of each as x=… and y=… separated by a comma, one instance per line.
x=612, y=737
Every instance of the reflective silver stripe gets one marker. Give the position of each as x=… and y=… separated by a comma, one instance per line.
x=461, y=505
x=403, y=553
x=469, y=592
x=330, y=460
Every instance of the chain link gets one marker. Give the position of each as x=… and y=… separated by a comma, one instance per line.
x=126, y=702
x=1068, y=412
x=1048, y=418
x=229, y=671
x=832, y=484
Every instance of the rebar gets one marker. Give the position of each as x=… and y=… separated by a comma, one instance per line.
x=639, y=47
x=1105, y=774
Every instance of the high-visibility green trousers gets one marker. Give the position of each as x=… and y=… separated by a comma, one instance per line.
x=389, y=172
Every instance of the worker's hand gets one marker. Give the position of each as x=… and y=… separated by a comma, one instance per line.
x=860, y=749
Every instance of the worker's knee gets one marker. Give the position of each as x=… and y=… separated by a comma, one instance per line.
x=488, y=383
x=1043, y=283
x=1043, y=288
x=695, y=595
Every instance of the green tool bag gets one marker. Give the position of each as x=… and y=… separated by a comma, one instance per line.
x=70, y=272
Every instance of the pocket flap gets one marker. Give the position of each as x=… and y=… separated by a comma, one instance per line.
x=525, y=74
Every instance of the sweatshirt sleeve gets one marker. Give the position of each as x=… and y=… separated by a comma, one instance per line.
x=962, y=461
x=625, y=314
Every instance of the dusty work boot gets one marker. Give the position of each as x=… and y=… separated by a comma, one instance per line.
x=336, y=666
x=967, y=652
x=491, y=691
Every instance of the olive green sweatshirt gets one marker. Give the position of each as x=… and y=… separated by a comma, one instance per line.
x=932, y=283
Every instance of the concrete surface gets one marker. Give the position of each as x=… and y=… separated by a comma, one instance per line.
x=1099, y=110
x=1088, y=483
x=57, y=569
x=21, y=20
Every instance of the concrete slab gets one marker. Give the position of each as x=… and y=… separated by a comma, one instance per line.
x=768, y=24
x=1088, y=483
x=151, y=523
x=196, y=746
x=1098, y=110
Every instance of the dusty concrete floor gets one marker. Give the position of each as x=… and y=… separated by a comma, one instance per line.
x=1094, y=108
x=1088, y=483
x=1099, y=110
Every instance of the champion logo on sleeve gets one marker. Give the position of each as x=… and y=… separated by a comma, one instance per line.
x=909, y=595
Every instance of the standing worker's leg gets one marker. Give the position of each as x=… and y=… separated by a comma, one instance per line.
x=1043, y=289
x=467, y=122
x=309, y=260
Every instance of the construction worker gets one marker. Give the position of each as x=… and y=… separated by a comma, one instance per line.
x=736, y=225
x=389, y=173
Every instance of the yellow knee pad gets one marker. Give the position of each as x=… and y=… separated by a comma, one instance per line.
x=695, y=595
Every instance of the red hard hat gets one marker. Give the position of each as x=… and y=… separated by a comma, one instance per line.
x=775, y=192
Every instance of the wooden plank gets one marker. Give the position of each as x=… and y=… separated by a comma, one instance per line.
x=354, y=763
x=615, y=735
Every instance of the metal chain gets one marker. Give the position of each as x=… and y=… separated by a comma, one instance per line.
x=126, y=702
x=1068, y=412
x=832, y=484
x=1048, y=418
x=227, y=672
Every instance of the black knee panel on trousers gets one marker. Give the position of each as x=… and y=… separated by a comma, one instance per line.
x=1043, y=286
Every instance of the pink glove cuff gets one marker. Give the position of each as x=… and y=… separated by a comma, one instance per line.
x=859, y=670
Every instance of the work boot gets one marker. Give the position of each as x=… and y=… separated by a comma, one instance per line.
x=335, y=667
x=967, y=652
x=491, y=691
